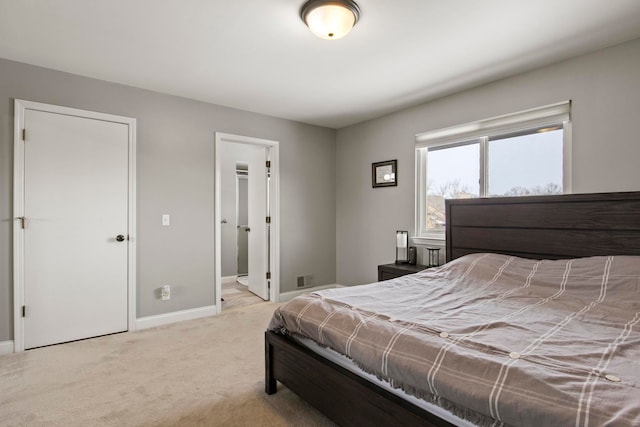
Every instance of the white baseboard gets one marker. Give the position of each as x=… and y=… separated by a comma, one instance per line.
x=6, y=347
x=176, y=316
x=286, y=296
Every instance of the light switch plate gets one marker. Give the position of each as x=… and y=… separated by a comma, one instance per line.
x=166, y=219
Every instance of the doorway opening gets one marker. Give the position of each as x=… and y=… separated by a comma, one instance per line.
x=236, y=293
x=242, y=228
x=246, y=221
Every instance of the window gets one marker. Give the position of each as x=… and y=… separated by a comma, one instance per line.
x=516, y=155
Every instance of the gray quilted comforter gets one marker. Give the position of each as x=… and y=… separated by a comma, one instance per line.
x=495, y=339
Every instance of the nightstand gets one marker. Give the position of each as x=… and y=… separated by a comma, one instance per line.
x=391, y=271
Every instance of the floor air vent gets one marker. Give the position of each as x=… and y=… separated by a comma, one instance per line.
x=304, y=281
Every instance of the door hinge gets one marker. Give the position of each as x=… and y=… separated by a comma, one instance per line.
x=268, y=163
x=268, y=275
x=268, y=220
x=24, y=311
x=24, y=134
x=23, y=221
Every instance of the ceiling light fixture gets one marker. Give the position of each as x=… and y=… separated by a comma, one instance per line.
x=330, y=20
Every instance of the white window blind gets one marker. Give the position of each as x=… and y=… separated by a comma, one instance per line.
x=556, y=113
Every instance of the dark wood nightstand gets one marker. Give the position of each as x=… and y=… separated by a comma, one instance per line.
x=391, y=271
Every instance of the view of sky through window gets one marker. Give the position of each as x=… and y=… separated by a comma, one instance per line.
x=515, y=166
x=453, y=170
x=530, y=162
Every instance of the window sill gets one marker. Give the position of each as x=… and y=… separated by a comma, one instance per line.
x=437, y=241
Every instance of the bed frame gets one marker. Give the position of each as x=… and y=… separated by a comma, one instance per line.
x=541, y=227
x=545, y=227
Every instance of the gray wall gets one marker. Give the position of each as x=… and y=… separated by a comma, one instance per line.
x=604, y=87
x=175, y=176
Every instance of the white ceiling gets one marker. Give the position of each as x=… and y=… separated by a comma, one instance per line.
x=257, y=55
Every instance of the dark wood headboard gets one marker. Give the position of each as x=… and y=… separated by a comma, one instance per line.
x=545, y=227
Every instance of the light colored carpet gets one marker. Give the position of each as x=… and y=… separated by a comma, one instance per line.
x=206, y=372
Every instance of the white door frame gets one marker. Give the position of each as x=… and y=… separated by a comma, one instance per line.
x=18, y=208
x=274, y=208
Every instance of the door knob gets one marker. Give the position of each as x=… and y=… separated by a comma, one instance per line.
x=120, y=238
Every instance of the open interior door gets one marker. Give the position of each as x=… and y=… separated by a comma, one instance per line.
x=258, y=234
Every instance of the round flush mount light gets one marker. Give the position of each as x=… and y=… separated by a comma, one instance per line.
x=330, y=20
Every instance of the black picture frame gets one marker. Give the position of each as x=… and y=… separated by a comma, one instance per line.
x=384, y=174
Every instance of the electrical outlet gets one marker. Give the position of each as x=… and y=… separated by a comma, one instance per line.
x=165, y=293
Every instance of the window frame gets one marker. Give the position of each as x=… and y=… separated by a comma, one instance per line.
x=482, y=132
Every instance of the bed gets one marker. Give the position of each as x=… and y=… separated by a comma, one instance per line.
x=591, y=237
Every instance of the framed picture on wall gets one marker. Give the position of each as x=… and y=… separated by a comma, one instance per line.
x=384, y=174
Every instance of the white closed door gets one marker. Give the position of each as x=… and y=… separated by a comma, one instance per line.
x=257, y=206
x=75, y=228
